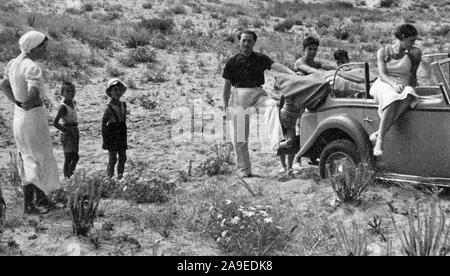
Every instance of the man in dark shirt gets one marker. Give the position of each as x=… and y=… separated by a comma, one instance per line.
x=245, y=72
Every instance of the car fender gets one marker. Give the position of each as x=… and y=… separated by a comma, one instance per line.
x=342, y=122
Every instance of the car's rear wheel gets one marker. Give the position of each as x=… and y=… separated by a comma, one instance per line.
x=339, y=157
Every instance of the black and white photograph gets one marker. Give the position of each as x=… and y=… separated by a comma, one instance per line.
x=210, y=129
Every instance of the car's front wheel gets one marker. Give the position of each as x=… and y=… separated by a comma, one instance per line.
x=339, y=157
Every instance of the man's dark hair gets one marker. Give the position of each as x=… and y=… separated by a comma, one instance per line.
x=248, y=32
x=68, y=84
x=310, y=41
x=405, y=31
x=340, y=54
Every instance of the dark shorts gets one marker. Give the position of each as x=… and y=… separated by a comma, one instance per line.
x=71, y=139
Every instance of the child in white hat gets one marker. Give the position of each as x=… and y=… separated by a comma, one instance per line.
x=114, y=128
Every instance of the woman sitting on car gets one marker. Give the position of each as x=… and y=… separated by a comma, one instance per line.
x=394, y=89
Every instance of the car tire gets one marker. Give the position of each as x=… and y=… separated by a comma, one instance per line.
x=338, y=148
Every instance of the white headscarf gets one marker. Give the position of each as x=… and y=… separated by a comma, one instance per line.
x=28, y=42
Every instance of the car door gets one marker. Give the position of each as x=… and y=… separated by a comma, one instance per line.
x=419, y=143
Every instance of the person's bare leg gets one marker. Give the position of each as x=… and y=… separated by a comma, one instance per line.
x=402, y=107
x=283, y=163
x=291, y=157
x=387, y=119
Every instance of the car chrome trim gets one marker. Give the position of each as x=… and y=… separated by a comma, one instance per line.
x=413, y=179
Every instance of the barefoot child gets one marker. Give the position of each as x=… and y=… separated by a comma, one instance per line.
x=114, y=128
x=70, y=134
x=289, y=114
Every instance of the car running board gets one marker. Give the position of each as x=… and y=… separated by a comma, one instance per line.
x=413, y=180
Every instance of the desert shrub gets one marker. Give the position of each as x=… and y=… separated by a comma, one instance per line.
x=88, y=7
x=163, y=25
x=354, y=243
x=246, y=230
x=428, y=234
x=324, y=22
x=243, y=22
x=106, y=17
x=160, y=42
x=287, y=25
x=135, y=38
x=340, y=32
x=147, y=5
x=142, y=55
x=140, y=185
x=388, y=3
x=350, y=185
x=10, y=6
x=74, y=11
x=150, y=75
x=257, y=23
x=178, y=9
x=109, y=186
x=218, y=163
x=188, y=25
x=440, y=30
x=58, y=53
x=115, y=7
x=114, y=71
x=84, y=194
x=10, y=175
x=147, y=101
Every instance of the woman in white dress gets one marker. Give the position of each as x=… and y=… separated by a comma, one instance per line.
x=23, y=85
x=394, y=89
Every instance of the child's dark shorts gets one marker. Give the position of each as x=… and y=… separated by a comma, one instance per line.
x=70, y=139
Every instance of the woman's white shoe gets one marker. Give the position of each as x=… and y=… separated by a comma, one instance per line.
x=282, y=170
x=378, y=149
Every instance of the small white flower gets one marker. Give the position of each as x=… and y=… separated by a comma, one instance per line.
x=268, y=220
x=224, y=233
x=222, y=223
x=248, y=213
x=235, y=220
x=218, y=239
x=264, y=213
x=219, y=216
x=125, y=188
x=228, y=202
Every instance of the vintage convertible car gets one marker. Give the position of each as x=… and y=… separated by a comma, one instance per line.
x=416, y=149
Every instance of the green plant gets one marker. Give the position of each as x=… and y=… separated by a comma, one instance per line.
x=147, y=101
x=163, y=25
x=246, y=230
x=428, y=234
x=354, y=244
x=114, y=71
x=178, y=9
x=218, y=163
x=84, y=194
x=286, y=25
x=351, y=184
x=142, y=55
x=147, y=5
x=143, y=186
x=387, y=3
